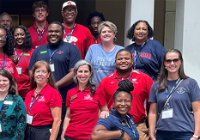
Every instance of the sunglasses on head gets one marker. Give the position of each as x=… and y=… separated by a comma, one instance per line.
x=172, y=60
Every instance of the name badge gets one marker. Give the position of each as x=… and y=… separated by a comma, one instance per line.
x=29, y=119
x=166, y=114
x=52, y=67
x=19, y=70
x=74, y=97
x=0, y=128
x=8, y=102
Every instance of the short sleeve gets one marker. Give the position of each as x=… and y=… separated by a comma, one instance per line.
x=154, y=91
x=56, y=99
x=33, y=59
x=149, y=83
x=107, y=122
x=88, y=56
x=101, y=97
x=68, y=99
x=89, y=40
x=194, y=90
x=74, y=55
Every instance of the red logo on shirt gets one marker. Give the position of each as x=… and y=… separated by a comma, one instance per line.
x=60, y=52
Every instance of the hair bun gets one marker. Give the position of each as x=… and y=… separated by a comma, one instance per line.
x=125, y=85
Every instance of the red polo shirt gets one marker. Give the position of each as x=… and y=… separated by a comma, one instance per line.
x=35, y=38
x=142, y=85
x=84, y=109
x=49, y=97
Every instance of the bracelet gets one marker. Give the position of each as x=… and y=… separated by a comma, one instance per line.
x=122, y=133
x=197, y=137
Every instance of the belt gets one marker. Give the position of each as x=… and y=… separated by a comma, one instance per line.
x=142, y=121
x=40, y=127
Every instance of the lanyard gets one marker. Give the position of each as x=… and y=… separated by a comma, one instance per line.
x=51, y=54
x=33, y=102
x=137, y=55
x=127, y=78
x=2, y=66
x=3, y=101
x=68, y=37
x=130, y=124
x=169, y=93
x=40, y=36
x=19, y=55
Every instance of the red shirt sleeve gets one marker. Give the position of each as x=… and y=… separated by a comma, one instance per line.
x=102, y=97
x=56, y=99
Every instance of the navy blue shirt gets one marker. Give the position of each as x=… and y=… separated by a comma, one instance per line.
x=64, y=59
x=116, y=122
x=181, y=102
x=151, y=54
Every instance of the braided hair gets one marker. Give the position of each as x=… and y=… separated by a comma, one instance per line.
x=124, y=85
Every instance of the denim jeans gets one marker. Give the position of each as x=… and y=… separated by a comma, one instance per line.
x=171, y=135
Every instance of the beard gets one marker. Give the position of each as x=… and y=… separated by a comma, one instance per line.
x=54, y=45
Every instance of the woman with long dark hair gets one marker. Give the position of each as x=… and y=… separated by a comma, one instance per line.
x=83, y=104
x=175, y=102
x=23, y=50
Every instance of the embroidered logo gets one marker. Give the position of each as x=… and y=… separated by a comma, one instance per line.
x=181, y=90
x=134, y=81
x=41, y=99
x=88, y=97
x=60, y=52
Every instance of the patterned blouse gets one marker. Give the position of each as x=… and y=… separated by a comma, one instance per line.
x=13, y=118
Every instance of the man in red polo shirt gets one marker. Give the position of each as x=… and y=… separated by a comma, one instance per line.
x=39, y=29
x=142, y=85
x=75, y=33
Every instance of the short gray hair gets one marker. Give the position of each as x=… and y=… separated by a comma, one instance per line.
x=109, y=24
x=4, y=13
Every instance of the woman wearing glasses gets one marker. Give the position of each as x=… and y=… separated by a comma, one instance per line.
x=43, y=104
x=6, y=50
x=175, y=102
x=23, y=50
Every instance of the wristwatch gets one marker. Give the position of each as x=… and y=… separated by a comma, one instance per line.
x=122, y=133
x=197, y=137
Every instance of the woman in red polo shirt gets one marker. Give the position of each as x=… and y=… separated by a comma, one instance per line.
x=83, y=103
x=23, y=50
x=43, y=105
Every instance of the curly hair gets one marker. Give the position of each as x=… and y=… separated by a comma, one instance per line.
x=130, y=33
x=28, y=42
x=126, y=86
x=9, y=46
x=95, y=14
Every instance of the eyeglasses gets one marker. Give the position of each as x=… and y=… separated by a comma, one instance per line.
x=169, y=61
x=3, y=37
x=43, y=72
x=17, y=35
x=69, y=10
x=38, y=10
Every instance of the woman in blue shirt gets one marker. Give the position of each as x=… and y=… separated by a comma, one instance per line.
x=119, y=125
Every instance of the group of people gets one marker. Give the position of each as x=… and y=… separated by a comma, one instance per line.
x=65, y=81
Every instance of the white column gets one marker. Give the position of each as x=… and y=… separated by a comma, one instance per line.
x=138, y=10
x=187, y=35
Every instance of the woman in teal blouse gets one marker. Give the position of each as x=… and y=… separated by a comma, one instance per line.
x=12, y=109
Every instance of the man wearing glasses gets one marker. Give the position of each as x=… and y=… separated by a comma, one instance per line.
x=75, y=33
x=39, y=29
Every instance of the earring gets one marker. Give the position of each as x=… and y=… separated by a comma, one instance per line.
x=115, y=39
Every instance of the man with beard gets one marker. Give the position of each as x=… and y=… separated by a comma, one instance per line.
x=6, y=20
x=94, y=19
x=75, y=33
x=61, y=56
x=142, y=85
x=39, y=29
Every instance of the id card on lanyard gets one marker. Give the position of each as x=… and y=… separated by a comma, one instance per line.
x=38, y=32
x=168, y=112
x=19, y=69
x=29, y=117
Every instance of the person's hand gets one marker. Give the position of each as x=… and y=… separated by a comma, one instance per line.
x=14, y=58
x=146, y=131
x=104, y=114
x=126, y=136
x=62, y=136
x=151, y=137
